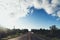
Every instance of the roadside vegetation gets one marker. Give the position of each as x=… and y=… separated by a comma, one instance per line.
x=6, y=34
x=50, y=34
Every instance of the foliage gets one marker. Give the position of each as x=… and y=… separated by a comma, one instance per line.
x=11, y=33
x=52, y=33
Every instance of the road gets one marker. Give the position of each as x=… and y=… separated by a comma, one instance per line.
x=28, y=36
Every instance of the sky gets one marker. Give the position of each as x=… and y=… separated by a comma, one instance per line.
x=29, y=14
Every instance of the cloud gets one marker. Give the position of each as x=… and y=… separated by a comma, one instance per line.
x=12, y=10
x=58, y=13
x=50, y=6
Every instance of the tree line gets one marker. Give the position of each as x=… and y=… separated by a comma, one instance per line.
x=51, y=33
x=10, y=32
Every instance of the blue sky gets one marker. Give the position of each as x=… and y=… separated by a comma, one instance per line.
x=40, y=19
x=29, y=14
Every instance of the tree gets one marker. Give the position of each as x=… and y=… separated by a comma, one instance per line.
x=53, y=27
x=53, y=30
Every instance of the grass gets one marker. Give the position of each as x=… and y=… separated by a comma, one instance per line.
x=55, y=38
x=44, y=36
x=11, y=36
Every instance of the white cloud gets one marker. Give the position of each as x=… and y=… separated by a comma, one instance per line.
x=53, y=14
x=11, y=10
x=58, y=13
x=50, y=8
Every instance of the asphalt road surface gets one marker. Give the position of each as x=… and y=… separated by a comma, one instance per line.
x=28, y=36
